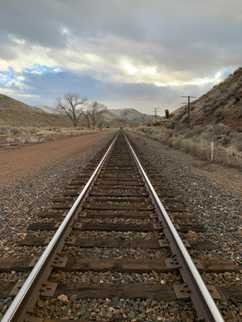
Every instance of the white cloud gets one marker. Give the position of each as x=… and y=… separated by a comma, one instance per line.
x=165, y=45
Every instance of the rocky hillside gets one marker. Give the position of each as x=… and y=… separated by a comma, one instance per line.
x=16, y=113
x=222, y=104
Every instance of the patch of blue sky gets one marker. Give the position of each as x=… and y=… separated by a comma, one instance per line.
x=40, y=69
x=6, y=77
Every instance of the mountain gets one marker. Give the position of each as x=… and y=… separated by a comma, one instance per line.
x=129, y=114
x=16, y=113
x=222, y=104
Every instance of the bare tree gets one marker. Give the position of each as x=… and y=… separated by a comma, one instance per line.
x=72, y=105
x=87, y=118
x=96, y=111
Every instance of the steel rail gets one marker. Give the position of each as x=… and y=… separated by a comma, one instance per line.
x=28, y=294
x=199, y=294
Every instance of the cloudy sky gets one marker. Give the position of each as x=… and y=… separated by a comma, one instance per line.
x=141, y=54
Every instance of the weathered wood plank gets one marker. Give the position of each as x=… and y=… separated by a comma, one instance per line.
x=142, y=266
x=71, y=193
x=132, y=291
x=138, y=199
x=116, y=227
x=42, y=226
x=112, y=243
x=59, y=215
x=119, y=265
x=52, y=214
x=62, y=206
x=182, y=216
x=176, y=209
x=118, y=194
x=218, y=265
x=228, y=292
x=187, y=228
x=114, y=215
x=5, y=288
x=112, y=227
x=115, y=207
x=120, y=184
x=14, y=264
x=32, y=241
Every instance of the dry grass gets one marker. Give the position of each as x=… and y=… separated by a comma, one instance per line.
x=227, y=144
x=17, y=114
x=22, y=135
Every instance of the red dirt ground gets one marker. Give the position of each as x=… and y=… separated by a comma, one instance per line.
x=20, y=161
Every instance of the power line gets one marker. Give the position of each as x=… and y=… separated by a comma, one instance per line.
x=188, y=108
x=156, y=109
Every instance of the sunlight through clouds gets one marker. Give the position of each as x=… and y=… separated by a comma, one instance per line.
x=114, y=51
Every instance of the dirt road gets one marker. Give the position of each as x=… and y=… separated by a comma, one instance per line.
x=20, y=161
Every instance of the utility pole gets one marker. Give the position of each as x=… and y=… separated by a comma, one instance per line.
x=143, y=117
x=188, y=108
x=156, y=109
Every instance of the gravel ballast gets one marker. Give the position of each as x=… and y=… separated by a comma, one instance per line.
x=211, y=203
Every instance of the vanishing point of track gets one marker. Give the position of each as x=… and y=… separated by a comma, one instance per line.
x=117, y=186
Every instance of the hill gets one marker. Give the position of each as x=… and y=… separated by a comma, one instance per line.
x=49, y=109
x=129, y=114
x=222, y=104
x=16, y=113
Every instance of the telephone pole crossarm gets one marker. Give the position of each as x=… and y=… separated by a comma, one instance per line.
x=188, y=108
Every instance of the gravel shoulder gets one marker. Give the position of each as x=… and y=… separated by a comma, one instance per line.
x=229, y=179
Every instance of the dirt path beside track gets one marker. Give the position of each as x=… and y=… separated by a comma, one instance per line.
x=20, y=161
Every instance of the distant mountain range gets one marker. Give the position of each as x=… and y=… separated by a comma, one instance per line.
x=129, y=114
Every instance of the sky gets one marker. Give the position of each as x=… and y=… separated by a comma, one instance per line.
x=141, y=54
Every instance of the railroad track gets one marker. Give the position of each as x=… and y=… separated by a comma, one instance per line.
x=108, y=245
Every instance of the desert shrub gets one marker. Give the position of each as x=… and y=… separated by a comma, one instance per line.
x=220, y=115
x=239, y=129
x=229, y=96
x=170, y=125
x=181, y=114
x=198, y=130
x=198, y=122
x=220, y=129
x=239, y=145
x=211, y=108
x=185, y=119
x=225, y=141
x=189, y=133
x=238, y=71
x=223, y=101
x=240, y=113
x=15, y=131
